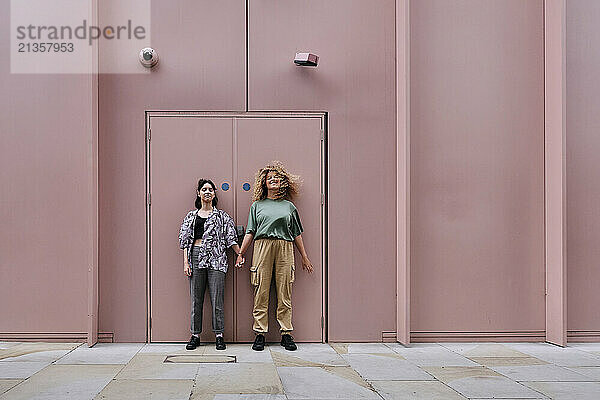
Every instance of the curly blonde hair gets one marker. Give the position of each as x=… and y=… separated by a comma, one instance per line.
x=288, y=189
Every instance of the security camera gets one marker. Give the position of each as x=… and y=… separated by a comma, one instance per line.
x=306, y=59
x=148, y=57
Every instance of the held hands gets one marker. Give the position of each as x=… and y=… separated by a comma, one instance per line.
x=307, y=265
x=240, y=261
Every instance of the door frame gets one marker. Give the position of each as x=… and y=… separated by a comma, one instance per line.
x=149, y=114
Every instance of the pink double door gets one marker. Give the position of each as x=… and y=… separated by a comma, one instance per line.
x=229, y=149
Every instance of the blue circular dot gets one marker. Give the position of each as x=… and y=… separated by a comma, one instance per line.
x=225, y=186
x=246, y=186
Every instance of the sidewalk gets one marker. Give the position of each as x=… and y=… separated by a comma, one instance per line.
x=447, y=371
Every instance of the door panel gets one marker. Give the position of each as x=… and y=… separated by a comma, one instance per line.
x=230, y=150
x=182, y=150
x=297, y=143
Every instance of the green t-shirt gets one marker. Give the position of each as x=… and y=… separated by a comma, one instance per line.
x=274, y=219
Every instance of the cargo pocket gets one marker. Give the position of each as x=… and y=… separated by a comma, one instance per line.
x=293, y=273
x=254, y=275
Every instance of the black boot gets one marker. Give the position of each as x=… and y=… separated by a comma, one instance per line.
x=193, y=343
x=287, y=341
x=220, y=343
x=259, y=342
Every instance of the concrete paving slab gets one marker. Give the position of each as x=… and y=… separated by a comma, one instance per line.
x=41, y=356
x=6, y=345
x=449, y=374
x=382, y=368
x=309, y=347
x=567, y=390
x=564, y=356
x=102, y=353
x=492, y=387
x=592, y=373
x=592, y=347
x=399, y=347
x=483, y=350
x=152, y=366
x=285, y=360
x=413, y=345
x=147, y=389
x=312, y=355
x=433, y=356
x=340, y=348
x=329, y=372
x=541, y=373
x=250, y=397
x=7, y=384
x=348, y=374
x=544, y=348
x=324, y=383
x=243, y=353
x=169, y=348
x=420, y=390
x=507, y=361
x=243, y=378
x=567, y=357
x=73, y=382
x=23, y=349
x=418, y=348
x=241, y=397
x=368, y=348
x=21, y=369
x=531, y=346
x=443, y=362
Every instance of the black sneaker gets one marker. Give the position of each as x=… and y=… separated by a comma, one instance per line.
x=220, y=343
x=193, y=343
x=259, y=342
x=287, y=341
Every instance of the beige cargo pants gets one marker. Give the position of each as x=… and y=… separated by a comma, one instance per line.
x=272, y=257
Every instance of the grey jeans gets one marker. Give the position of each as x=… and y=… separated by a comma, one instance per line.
x=201, y=277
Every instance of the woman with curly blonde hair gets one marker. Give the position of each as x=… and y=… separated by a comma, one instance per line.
x=274, y=225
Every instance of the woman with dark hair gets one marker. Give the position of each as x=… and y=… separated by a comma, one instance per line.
x=275, y=226
x=205, y=234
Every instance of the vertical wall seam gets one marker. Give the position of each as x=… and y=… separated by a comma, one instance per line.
x=93, y=216
x=563, y=27
x=402, y=74
x=147, y=207
x=555, y=171
x=247, y=58
x=234, y=184
x=544, y=166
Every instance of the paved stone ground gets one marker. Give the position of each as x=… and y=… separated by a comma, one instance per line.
x=448, y=371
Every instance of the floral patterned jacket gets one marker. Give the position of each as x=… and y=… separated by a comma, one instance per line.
x=219, y=234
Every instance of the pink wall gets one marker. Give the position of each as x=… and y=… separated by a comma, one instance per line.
x=477, y=168
x=45, y=240
x=202, y=50
x=477, y=161
x=355, y=83
x=343, y=34
x=583, y=174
